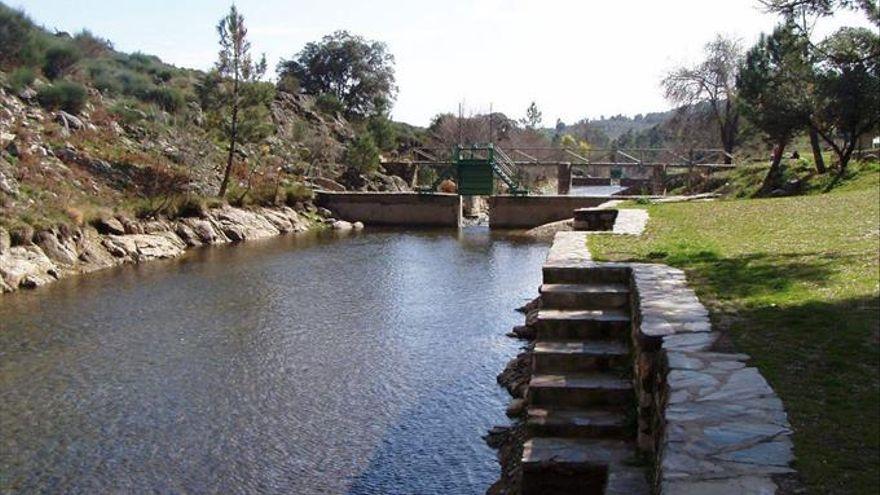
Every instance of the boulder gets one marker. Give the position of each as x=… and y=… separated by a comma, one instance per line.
x=5, y=240
x=109, y=226
x=342, y=225
x=92, y=253
x=62, y=252
x=204, y=231
x=145, y=247
x=327, y=184
x=240, y=224
x=70, y=122
x=358, y=225
x=26, y=267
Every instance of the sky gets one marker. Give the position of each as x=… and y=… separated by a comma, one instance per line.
x=575, y=58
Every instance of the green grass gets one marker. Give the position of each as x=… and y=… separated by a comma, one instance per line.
x=794, y=283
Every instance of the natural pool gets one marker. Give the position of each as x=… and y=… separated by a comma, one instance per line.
x=362, y=365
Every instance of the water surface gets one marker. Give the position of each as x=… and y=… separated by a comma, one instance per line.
x=362, y=365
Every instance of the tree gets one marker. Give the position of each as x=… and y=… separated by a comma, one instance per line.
x=359, y=73
x=363, y=155
x=848, y=86
x=771, y=96
x=236, y=90
x=533, y=117
x=712, y=82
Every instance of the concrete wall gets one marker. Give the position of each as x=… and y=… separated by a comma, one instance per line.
x=511, y=212
x=394, y=208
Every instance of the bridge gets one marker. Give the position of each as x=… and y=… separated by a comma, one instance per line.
x=473, y=165
x=479, y=170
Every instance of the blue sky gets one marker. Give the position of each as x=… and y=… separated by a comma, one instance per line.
x=574, y=58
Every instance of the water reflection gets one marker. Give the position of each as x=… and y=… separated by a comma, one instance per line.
x=362, y=364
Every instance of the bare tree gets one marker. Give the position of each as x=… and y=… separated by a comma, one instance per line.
x=711, y=82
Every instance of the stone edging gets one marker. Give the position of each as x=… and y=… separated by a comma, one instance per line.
x=714, y=424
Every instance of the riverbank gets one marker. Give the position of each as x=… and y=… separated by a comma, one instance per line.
x=32, y=259
x=793, y=283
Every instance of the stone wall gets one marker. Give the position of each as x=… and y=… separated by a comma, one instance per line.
x=394, y=209
x=525, y=212
x=712, y=422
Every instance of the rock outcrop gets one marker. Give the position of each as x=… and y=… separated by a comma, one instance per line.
x=56, y=253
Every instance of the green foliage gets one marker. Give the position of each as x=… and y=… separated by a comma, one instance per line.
x=90, y=45
x=59, y=59
x=383, y=132
x=297, y=193
x=127, y=112
x=329, y=104
x=363, y=154
x=65, y=95
x=533, y=117
x=21, y=78
x=358, y=72
x=20, y=40
x=793, y=283
x=167, y=98
x=288, y=83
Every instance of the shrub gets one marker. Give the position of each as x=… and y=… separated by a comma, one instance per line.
x=91, y=45
x=192, y=206
x=169, y=99
x=296, y=193
x=21, y=234
x=58, y=60
x=21, y=78
x=66, y=95
x=383, y=132
x=19, y=38
x=363, y=154
x=329, y=104
x=127, y=114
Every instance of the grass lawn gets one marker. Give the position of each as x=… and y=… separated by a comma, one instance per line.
x=793, y=282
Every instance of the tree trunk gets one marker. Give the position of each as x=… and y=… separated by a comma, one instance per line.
x=233, y=135
x=773, y=180
x=817, y=151
x=844, y=159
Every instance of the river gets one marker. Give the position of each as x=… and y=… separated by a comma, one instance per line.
x=311, y=364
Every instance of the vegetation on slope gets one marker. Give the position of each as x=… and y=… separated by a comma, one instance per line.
x=794, y=283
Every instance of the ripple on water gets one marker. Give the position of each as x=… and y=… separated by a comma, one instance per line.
x=360, y=365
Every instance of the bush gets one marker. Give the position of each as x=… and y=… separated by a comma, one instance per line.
x=90, y=45
x=21, y=78
x=66, y=95
x=363, y=154
x=58, y=60
x=19, y=39
x=169, y=99
x=127, y=114
x=329, y=104
x=297, y=193
x=192, y=206
x=383, y=132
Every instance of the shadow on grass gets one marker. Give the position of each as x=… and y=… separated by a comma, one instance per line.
x=752, y=274
x=822, y=358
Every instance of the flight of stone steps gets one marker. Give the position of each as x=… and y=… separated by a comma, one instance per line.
x=580, y=400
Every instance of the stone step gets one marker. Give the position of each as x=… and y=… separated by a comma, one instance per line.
x=578, y=355
x=570, y=390
x=591, y=273
x=568, y=466
x=578, y=423
x=584, y=296
x=594, y=219
x=568, y=324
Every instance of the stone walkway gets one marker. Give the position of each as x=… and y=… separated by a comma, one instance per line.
x=726, y=431
x=713, y=423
